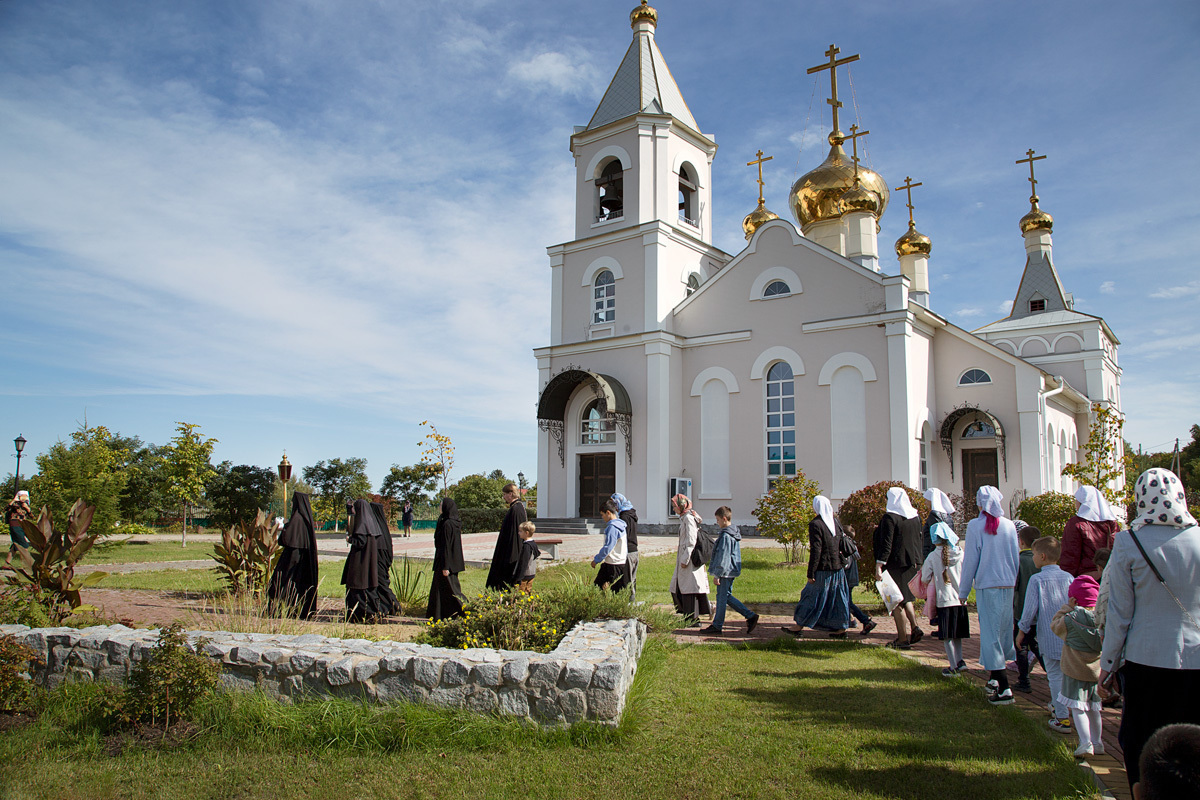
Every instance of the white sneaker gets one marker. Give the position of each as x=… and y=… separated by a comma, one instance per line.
x=1098, y=749
x=1004, y=698
x=1083, y=751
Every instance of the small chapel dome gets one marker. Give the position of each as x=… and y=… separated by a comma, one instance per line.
x=756, y=219
x=817, y=195
x=913, y=243
x=1036, y=219
x=859, y=199
x=643, y=13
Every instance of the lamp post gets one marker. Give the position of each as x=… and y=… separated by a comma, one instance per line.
x=521, y=483
x=285, y=475
x=19, y=443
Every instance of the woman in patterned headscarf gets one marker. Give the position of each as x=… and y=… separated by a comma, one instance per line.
x=1153, y=618
x=689, y=584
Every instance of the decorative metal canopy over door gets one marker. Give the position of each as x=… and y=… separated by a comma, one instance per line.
x=952, y=419
x=610, y=394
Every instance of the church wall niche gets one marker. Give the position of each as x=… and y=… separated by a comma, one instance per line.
x=714, y=440
x=848, y=431
x=1034, y=346
x=1068, y=343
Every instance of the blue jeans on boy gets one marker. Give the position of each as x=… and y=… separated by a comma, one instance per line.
x=725, y=596
x=859, y=614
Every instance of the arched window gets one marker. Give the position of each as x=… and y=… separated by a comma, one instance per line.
x=781, y=422
x=776, y=289
x=687, y=197
x=974, y=376
x=979, y=430
x=610, y=192
x=604, y=309
x=693, y=283
x=595, y=427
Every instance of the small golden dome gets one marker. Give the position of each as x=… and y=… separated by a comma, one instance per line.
x=756, y=219
x=1036, y=219
x=817, y=195
x=913, y=243
x=643, y=13
x=857, y=198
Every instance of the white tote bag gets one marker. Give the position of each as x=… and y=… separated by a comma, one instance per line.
x=889, y=591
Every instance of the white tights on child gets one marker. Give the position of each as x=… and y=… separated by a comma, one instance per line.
x=1089, y=727
x=953, y=651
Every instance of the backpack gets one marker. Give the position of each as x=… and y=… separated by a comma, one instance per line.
x=702, y=552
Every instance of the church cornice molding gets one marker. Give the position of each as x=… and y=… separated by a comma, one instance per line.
x=636, y=122
x=677, y=235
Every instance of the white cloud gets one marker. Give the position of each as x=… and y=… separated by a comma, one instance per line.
x=556, y=71
x=968, y=312
x=1108, y=287
x=1178, y=292
x=1005, y=307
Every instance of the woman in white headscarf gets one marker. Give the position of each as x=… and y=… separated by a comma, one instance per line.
x=825, y=601
x=1153, y=615
x=1092, y=528
x=991, y=564
x=898, y=553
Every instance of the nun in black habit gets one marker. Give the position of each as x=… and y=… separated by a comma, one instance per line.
x=361, y=575
x=445, y=595
x=506, y=559
x=293, y=587
x=385, y=599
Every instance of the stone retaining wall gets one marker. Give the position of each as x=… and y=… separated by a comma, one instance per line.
x=585, y=678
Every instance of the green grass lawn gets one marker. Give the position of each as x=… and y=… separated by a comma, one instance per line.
x=131, y=552
x=789, y=720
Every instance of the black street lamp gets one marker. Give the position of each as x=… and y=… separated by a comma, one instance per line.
x=19, y=443
x=285, y=475
x=521, y=482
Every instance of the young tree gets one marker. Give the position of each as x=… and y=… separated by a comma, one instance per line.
x=439, y=451
x=236, y=494
x=1101, y=466
x=87, y=469
x=785, y=511
x=476, y=491
x=188, y=468
x=410, y=483
x=337, y=482
x=145, y=497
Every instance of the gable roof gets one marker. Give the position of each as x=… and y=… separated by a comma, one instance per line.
x=643, y=84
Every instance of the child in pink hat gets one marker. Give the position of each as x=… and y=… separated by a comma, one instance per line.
x=1075, y=624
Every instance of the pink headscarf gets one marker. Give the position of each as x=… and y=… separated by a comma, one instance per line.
x=684, y=504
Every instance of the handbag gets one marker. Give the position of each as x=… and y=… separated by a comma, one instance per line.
x=1158, y=575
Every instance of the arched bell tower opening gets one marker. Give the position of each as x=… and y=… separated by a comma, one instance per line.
x=610, y=191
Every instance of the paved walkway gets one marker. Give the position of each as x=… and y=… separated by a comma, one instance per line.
x=1108, y=769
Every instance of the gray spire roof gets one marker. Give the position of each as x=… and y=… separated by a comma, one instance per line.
x=1039, y=282
x=643, y=84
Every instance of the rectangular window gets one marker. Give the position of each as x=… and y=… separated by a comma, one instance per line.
x=924, y=462
x=1037, y=305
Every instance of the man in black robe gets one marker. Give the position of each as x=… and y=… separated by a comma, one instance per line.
x=293, y=587
x=385, y=599
x=445, y=594
x=361, y=576
x=507, y=557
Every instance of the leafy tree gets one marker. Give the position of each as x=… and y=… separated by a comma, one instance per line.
x=88, y=469
x=237, y=494
x=498, y=475
x=337, y=482
x=476, y=491
x=1100, y=466
x=294, y=484
x=146, y=496
x=1048, y=512
x=862, y=510
x=188, y=468
x=785, y=511
x=439, y=451
x=410, y=483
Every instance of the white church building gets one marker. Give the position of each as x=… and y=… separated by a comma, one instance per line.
x=673, y=365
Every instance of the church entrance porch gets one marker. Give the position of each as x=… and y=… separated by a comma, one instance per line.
x=597, y=481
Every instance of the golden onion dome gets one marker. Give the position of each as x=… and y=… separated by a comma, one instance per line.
x=913, y=243
x=643, y=13
x=817, y=195
x=1036, y=219
x=857, y=198
x=756, y=219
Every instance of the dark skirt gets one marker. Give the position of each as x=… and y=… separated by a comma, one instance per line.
x=953, y=623
x=825, y=603
x=613, y=577
x=1154, y=697
x=293, y=588
x=902, y=579
x=362, y=605
x=691, y=605
x=445, y=597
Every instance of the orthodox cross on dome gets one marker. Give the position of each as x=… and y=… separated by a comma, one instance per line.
x=834, y=63
x=908, y=187
x=759, y=162
x=853, y=137
x=1033, y=198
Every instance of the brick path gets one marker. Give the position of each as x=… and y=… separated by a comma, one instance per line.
x=1108, y=769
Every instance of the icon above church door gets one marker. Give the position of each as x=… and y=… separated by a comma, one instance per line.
x=597, y=481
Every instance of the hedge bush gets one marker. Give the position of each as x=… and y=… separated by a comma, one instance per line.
x=480, y=520
x=1048, y=512
x=862, y=511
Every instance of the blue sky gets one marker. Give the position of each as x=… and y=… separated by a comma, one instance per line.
x=312, y=225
